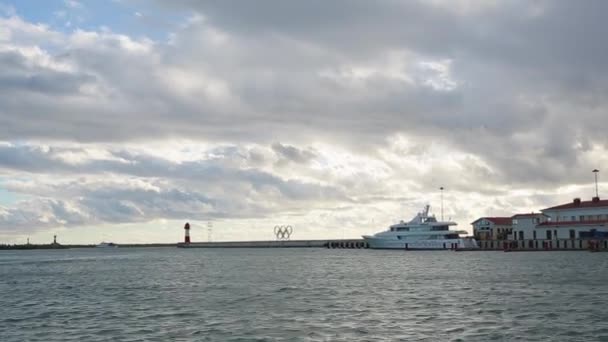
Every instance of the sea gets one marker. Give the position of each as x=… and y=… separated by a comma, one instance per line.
x=299, y=294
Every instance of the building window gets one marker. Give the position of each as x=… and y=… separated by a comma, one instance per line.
x=572, y=234
x=555, y=233
x=521, y=235
x=548, y=234
x=573, y=218
x=534, y=235
x=514, y=222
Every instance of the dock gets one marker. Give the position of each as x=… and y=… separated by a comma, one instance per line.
x=544, y=245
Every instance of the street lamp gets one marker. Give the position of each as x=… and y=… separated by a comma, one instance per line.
x=595, y=171
x=441, y=188
x=209, y=228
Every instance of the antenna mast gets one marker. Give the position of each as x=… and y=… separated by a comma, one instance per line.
x=441, y=188
x=595, y=171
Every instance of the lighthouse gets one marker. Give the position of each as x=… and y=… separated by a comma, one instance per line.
x=187, y=230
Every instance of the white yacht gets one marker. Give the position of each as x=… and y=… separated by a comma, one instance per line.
x=422, y=232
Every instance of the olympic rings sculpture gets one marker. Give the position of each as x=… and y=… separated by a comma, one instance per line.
x=283, y=232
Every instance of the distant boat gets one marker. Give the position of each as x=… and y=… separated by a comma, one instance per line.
x=107, y=245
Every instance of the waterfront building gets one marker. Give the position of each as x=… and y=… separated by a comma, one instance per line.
x=575, y=220
x=492, y=228
x=524, y=226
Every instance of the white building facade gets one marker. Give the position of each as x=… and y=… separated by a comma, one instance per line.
x=525, y=226
x=491, y=228
x=575, y=220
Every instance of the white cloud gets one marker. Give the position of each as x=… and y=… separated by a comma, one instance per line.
x=72, y=4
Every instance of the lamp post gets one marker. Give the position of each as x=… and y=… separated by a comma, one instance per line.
x=595, y=171
x=441, y=188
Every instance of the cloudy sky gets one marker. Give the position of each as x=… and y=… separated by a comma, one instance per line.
x=121, y=120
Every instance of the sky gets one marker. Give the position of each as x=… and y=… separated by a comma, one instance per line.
x=122, y=120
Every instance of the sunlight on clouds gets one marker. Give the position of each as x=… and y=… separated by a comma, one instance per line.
x=437, y=75
x=15, y=28
x=185, y=83
x=91, y=39
x=392, y=65
x=343, y=163
x=464, y=7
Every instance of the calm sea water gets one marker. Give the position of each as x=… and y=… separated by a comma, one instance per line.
x=169, y=294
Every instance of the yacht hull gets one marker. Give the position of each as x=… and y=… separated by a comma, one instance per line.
x=380, y=243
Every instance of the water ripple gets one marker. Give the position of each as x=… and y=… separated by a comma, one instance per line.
x=301, y=295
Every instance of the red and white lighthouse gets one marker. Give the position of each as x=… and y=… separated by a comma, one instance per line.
x=187, y=236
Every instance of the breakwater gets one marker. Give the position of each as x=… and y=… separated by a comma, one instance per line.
x=34, y=246
x=342, y=243
x=58, y=246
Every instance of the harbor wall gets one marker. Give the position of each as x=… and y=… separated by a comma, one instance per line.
x=544, y=245
x=346, y=243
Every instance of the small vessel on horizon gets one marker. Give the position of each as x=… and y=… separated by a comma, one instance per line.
x=423, y=232
x=107, y=245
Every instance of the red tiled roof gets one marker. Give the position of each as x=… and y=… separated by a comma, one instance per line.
x=505, y=221
x=582, y=204
x=528, y=215
x=573, y=223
